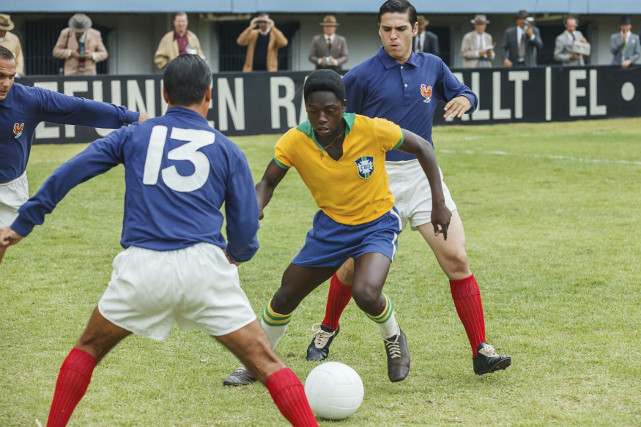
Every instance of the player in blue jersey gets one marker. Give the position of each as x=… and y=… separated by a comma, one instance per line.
x=176, y=265
x=22, y=108
x=405, y=87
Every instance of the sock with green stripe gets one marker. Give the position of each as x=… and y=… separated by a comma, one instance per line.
x=386, y=320
x=274, y=324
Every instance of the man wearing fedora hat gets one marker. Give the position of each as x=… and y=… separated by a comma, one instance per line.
x=80, y=46
x=521, y=43
x=477, y=47
x=11, y=42
x=425, y=41
x=624, y=45
x=328, y=50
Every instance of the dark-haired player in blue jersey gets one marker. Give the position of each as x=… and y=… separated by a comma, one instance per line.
x=405, y=87
x=176, y=265
x=22, y=108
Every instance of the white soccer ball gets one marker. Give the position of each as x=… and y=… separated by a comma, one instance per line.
x=334, y=390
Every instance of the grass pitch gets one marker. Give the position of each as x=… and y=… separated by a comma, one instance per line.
x=551, y=213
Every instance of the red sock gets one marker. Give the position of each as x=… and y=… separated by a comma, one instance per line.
x=289, y=395
x=337, y=299
x=467, y=299
x=72, y=383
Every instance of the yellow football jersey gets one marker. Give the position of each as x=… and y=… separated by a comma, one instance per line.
x=353, y=189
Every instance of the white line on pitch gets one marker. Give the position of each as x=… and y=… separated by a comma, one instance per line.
x=551, y=157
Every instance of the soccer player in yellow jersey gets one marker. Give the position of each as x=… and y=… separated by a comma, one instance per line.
x=341, y=159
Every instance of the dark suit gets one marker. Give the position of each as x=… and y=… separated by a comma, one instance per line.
x=430, y=45
x=510, y=47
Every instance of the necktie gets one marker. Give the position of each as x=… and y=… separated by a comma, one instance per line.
x=522, y=46
x=329, y=46
x=625, y=47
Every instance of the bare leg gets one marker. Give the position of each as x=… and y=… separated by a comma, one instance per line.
x=3, y=249
x=100, y=336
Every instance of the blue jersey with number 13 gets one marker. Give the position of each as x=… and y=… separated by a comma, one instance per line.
x=178, y=173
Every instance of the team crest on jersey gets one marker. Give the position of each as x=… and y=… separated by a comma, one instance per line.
x=365, y=166
x=17, y=129
x=426, y=92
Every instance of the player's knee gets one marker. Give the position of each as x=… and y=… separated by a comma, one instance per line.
x=367, y=298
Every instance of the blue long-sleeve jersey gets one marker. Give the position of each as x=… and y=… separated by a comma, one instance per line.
x=406, y=94
x=178, y=173
x=25, y=107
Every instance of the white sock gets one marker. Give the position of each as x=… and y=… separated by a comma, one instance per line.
x=389, y=328
x=273, y=332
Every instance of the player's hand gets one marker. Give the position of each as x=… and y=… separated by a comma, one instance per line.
x=507, y=63
x=529, y=31
x=441, y=216
x=623, y=36
x=143, y=117
x=253, y=23
x=270, y=22
x=75, y=54
x=261, y=215
x=231, y=261
x=88, y=55
x=8, y=237
x=457, y=107
x=626, y=63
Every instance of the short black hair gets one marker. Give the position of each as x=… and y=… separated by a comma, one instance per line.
x=399, y=6
x=186, y=79
x=6, y=53
x=324, y=81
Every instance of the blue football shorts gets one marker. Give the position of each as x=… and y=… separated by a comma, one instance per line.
x=329, y=243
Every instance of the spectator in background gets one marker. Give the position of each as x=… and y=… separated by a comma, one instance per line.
x=181, y=41
x=425, y=41
x=624, y=45
x=328, y=50
x=11, y=42
x=80, y=46
x=477, y=47
x=563, y=51
x=263, y=40
x=521, y=43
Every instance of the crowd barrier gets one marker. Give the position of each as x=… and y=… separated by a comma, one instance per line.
x=263, y=103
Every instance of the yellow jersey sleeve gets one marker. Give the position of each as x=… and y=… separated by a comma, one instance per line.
x=388, y=135
x=284, y=155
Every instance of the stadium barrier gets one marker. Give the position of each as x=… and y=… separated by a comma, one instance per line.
x=262, y=103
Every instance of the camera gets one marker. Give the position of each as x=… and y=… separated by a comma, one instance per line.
x=262, y=21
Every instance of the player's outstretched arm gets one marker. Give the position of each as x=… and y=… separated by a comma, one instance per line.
x=8, y=237
x=265, y=188
x=414, y=144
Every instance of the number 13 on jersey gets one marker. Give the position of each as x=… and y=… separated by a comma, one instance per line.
x=196, y=139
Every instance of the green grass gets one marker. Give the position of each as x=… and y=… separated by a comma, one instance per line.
x=551, y=213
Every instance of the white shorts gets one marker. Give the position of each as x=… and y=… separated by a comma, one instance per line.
x=197, y=287
x=412, y=192
x=13, y=194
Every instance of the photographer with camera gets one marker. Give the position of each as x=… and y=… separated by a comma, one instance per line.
x=565, y=48
x=80, y=46
x=520, y=43
x=263, y=40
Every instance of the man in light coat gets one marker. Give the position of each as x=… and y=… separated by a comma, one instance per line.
x=624, y=45
x=563, y=51
x=80, y=46
x=11, y=42
x=181, y=41
x=477, y=47
x=263, y=40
